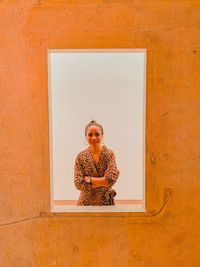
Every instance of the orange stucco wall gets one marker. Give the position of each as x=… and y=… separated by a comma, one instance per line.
x=170, y=32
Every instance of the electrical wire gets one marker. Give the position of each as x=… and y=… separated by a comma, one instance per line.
x=19, y=221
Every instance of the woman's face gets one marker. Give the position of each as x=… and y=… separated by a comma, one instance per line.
x=94, y=135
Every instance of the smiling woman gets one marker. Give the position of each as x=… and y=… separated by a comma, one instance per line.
x=95, y=170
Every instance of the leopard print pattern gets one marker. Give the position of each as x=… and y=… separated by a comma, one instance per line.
x=105, y=167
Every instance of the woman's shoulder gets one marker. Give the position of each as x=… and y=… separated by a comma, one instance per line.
x=83, y=153
x=107, y=150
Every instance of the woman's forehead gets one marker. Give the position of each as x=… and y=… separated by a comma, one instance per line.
x=94, y=128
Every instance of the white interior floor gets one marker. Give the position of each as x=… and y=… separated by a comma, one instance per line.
x=122, y=208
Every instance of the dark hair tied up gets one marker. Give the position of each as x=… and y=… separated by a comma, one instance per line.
x=93, y=123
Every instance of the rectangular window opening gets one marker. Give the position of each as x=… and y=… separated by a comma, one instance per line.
x=108, y=85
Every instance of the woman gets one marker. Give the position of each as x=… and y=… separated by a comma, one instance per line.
x=95, y=170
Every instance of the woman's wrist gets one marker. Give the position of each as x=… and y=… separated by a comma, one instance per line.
x=88, y=179
x=96, y=181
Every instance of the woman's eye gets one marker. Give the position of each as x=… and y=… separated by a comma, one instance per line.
x=97, y=134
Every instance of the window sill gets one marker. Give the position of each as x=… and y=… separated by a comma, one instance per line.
x=107, y=211
x=98, y=211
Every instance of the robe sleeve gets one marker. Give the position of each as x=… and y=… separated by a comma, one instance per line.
x=79, y=181
x=112, y=173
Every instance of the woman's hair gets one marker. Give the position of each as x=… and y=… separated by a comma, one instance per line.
x=93, y=123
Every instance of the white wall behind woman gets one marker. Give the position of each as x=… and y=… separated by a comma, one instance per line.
x=105, y=86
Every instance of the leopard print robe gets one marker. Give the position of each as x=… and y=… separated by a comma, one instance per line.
x=105, y=167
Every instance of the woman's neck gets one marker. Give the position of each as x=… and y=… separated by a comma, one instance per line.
x=95, y=149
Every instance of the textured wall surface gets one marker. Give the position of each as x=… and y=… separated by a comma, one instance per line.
x=170, y=32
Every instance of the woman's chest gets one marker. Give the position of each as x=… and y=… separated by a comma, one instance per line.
x=95, y=165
